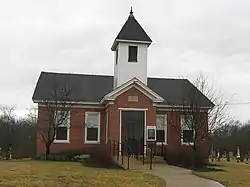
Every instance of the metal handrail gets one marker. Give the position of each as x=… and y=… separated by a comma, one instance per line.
x=118, y=149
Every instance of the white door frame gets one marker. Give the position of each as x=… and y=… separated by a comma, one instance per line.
x=145, y=124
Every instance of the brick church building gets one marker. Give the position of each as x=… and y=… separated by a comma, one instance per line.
x=124, y=106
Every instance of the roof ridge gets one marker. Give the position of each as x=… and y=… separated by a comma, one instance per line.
x=78, y=74
x=86, y=74
x=164, y=78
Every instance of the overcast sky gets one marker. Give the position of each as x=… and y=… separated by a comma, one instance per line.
x=76, y=36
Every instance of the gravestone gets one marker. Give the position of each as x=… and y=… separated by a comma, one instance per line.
x=218, y=156
x=238, y=154
x=228, y=157
x=231, y=155
x=247, y=157
x=213, y=154
x=225, y=154
x=10, y=151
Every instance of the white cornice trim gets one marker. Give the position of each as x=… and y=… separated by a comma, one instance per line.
x=67, y=102
x=113, y=48
x=177, y=106
x=109, y=103
x=133, y=41
x=78, y=106
x=179, y=109
x=133, y=109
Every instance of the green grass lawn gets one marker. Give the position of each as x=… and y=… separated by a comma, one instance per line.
x=61, y=174
x=231, y=174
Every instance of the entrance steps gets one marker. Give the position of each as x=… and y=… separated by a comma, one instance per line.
x=155, y=160
x=133, y=163
x=159, y=160
x=129, y=163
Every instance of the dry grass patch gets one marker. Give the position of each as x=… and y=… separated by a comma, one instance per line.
x=231, y=174
x=62, y=174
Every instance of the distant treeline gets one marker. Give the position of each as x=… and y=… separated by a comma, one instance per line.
x=20, y=133
x=231, y=135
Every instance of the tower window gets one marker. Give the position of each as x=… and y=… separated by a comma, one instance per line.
x=132, y=53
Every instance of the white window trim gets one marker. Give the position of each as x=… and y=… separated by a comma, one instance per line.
x=85, y=129
x=68, y=132
x=165, y=130
x=184, y=143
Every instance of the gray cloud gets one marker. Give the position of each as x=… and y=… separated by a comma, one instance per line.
x=76, y=36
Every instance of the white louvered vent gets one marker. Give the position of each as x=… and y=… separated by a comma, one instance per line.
x=133, y=98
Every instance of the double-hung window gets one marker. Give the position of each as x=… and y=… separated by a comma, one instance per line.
x=187, y=129
x=161, y=129
x=92, y=127
x=62, y=126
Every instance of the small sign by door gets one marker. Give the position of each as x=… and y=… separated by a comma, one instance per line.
x=151, y=133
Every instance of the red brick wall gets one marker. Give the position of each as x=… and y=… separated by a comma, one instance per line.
x=174, y=134
x=122, y=102
x=77, y=130
x=77, y=119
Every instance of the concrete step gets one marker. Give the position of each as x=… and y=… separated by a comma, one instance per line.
x=136, y=164
x=129, y=163
x=156, y=160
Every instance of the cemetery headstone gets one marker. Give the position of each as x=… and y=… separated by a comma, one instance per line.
x=218, y=156
x=247, y=157
x=225, y=153
x=231, y=155
x=10, y=151
x=228, y=157
x=238, y=154
x=213, y=154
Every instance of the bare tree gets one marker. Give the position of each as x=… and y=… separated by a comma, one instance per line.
x=32, y=117
x=7, y=113
x=7, y=122
x=199, y=117
x=53, y=118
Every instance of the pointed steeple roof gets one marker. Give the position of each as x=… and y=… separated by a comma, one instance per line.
x=132, y=31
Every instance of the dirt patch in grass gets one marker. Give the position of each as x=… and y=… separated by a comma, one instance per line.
x=62, y=174
x=230, y=174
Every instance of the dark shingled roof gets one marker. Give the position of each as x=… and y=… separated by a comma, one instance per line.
x=92, y=88
x=132, y=30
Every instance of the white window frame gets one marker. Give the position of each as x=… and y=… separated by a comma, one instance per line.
x=85, y=129
x=182, y=118
x=165, y=129
x=68, y=131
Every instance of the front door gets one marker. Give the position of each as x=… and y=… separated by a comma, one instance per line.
x=133, y=123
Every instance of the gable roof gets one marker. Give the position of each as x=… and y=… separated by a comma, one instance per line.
x=132, y=31
x=136, y=83
x=92, y=88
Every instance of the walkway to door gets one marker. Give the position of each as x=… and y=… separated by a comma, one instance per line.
x=174, y=176
x=179, y=177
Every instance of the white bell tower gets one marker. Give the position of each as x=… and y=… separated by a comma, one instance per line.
x=130, y=52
